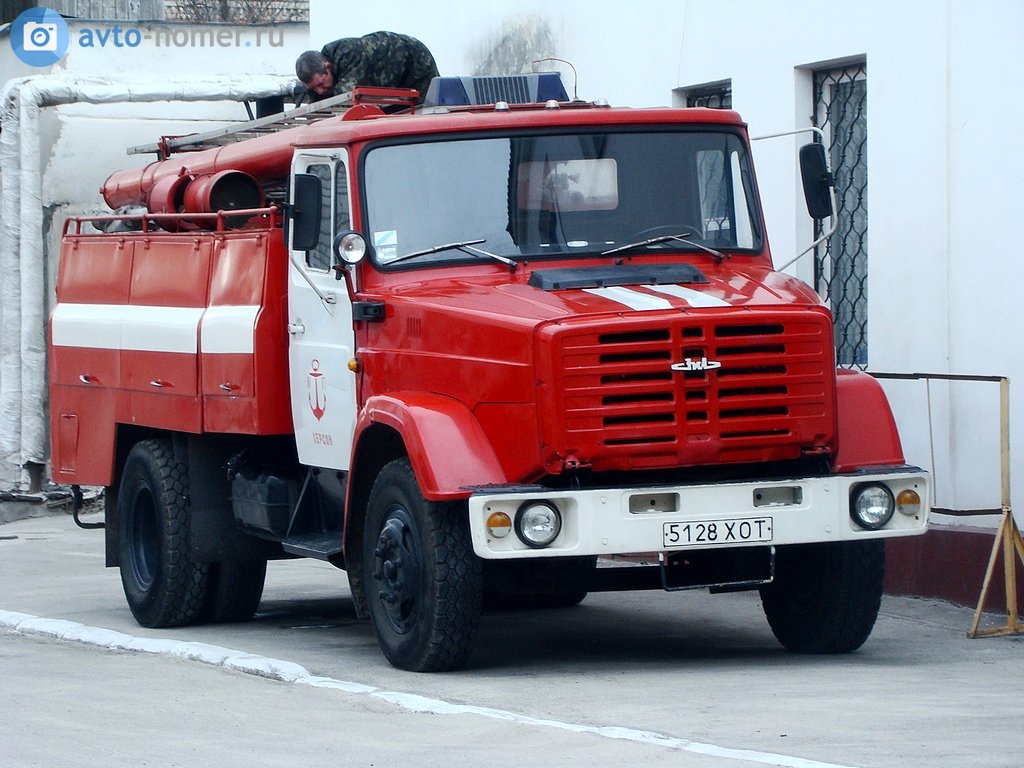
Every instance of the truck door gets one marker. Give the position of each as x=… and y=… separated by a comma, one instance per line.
x=322, y=340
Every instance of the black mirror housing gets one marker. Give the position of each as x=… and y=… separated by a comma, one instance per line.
x=817, y=181
x=304, y=213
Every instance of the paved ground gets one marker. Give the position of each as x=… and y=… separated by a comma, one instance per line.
x=632, y=678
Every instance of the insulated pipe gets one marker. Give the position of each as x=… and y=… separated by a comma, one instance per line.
x=23, y=300
x=34, y=448
x=10, y=284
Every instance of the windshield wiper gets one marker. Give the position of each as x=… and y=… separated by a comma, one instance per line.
x=465, y=246
x=681, y=237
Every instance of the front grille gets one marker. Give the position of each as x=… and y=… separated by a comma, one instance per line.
x=622, y=404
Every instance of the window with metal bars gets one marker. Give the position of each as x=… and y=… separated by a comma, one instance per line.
x=841, y=262
x=713, y=95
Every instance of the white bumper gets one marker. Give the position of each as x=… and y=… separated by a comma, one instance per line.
x=618, y=521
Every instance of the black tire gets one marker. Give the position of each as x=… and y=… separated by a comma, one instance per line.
x=825, y=597
x=534, y=584
x=234, y=591
x=163, y=585
x=423, y=581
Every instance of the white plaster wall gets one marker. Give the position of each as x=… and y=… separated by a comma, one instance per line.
x=946, y=175
x=81, y=144
x=84, y=143
x=943, y=195
x=625, y=53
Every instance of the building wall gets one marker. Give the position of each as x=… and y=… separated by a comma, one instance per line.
x=83, y=143
x=87, y=9
x=941, y=281
x=946, y=180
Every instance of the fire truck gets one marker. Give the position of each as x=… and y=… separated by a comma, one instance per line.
x=501, y=348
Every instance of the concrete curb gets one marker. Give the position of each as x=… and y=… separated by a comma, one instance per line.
x=10, y=511
x=290, y=672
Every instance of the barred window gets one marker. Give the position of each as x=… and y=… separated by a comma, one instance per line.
x=841, y=263
x=712, y=95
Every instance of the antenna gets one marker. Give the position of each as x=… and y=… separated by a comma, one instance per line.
x=575, y=78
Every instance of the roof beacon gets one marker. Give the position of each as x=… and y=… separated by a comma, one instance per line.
x=536, y=88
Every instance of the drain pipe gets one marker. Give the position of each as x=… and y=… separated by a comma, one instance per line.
x=23, y=418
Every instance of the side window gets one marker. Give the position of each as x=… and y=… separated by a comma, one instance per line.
x=320, y=256
x=342, y=216
x=334, y=211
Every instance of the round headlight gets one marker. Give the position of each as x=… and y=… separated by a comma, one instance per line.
x=538, y=523
x=350, y=247
x=872, y=505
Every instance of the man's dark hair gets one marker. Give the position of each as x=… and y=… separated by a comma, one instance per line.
x=309, y=64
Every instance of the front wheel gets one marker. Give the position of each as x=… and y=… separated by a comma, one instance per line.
x=825, y=597
x=423, y=581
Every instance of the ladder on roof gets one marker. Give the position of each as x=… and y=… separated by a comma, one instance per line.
x=305, y=115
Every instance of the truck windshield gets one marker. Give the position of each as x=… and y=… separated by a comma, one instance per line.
x=557, y=196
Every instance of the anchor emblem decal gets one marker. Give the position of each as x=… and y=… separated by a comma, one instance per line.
x=316, y=387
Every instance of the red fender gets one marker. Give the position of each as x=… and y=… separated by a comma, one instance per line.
x=867, y=431
x=447, y=447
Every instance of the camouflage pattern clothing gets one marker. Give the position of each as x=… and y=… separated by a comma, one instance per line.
x=382, y=59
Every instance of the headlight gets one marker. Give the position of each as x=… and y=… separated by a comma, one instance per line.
x=871, y=505
x=538, y=523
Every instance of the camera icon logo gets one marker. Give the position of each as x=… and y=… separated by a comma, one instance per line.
x=39, y=37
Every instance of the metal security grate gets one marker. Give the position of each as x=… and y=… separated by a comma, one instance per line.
x=718, y=96
x=841, y=263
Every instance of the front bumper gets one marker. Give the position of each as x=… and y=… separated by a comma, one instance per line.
x=620, y=521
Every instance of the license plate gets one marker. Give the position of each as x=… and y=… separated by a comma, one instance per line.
x=697, y=533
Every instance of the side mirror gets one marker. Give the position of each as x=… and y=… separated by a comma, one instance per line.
x=304, y=214
x=817, y=181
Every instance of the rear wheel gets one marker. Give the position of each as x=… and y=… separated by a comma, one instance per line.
x=825, y=597
x=164, y=587
x=423, y=582
x=234, y=591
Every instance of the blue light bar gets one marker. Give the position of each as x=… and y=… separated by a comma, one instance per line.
x=535, y=88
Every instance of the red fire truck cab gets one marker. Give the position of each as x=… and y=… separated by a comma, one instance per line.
x=470, y=354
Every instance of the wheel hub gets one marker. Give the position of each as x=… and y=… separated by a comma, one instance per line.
x=396, y=572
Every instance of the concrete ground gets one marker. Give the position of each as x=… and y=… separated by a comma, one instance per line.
x=631, y=678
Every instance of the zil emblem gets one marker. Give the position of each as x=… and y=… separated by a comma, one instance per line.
x=692, y=364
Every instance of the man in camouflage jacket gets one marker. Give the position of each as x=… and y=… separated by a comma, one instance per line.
x=382, y=59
